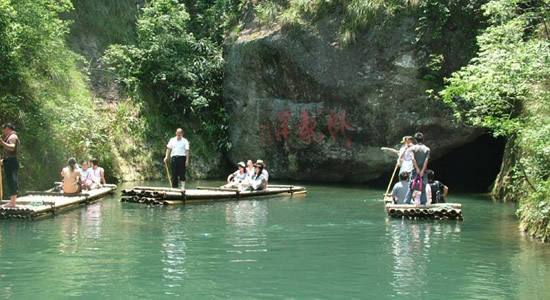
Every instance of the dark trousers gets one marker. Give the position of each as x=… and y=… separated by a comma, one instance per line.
x=178, y=170
x=11, y=168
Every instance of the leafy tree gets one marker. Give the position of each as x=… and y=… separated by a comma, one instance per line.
x=172, y=69
x=505, y=89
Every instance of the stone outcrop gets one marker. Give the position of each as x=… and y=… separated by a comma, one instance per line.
x=314, y=110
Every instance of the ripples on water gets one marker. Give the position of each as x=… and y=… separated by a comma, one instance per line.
x=334, y=243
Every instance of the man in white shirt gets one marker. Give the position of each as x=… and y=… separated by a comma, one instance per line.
x=177, y=150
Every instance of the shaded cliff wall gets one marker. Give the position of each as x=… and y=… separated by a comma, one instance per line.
x=316, y=110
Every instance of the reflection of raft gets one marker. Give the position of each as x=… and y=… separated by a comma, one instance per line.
x=439, y=211
x=34, y=205
x=166, y=196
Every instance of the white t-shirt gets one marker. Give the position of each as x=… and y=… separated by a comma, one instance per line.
x=95, y=174
x=407, y=160
x=85, y=175
x=178, y=148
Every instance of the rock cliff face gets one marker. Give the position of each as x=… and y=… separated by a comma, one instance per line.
x=316, y=111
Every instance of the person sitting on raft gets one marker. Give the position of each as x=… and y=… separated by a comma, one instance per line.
x=98, y=174
x=439, y=190
x=258, y=181
x=238, y=177
x=85, y=176
x=264, y=170
x=417, y=195
x=249, y=168
x=401, y=188
x=71, y=177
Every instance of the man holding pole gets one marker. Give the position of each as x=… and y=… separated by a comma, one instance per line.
x=178, y=152
x=10, y=144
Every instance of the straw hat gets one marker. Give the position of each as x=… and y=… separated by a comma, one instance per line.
x=241, y=164
x=405, y=138
x=259, y=162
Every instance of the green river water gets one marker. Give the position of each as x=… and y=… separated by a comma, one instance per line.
x=334, y=243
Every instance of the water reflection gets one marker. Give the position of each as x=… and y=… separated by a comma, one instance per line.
x=246, y=236
x=92, y=220
x=411, y=243
x=174, y=250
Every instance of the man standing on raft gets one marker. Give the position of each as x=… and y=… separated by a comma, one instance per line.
x=10, y=144
x=178, y=151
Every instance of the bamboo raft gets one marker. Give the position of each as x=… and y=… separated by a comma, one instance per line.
x=167, y=196
x=34, y=205
x=438, y=211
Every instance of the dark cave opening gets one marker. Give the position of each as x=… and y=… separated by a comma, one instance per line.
x=472, y=167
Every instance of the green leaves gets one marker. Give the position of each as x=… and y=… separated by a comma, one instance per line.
x=505, y=89
x=173, y=66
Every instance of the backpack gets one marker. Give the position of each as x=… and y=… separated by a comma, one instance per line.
x=416, y=183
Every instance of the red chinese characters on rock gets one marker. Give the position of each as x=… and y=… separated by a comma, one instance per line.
x=307, y=131
x=337, y=123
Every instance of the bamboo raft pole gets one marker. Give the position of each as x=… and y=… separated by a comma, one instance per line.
x=166, y=196
x=35, y=205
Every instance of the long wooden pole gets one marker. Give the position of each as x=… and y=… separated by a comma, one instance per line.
x=168, y=173
x=392, y=176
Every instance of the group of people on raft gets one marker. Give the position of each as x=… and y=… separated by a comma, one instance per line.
x=417, y=184
x=252, y=176
x=78, y=178
x=249, y=176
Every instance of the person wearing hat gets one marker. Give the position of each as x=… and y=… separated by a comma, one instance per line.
x=405, y=158
x=10, y=144
x=238, y=177
x=264, y=170
x=258, y=181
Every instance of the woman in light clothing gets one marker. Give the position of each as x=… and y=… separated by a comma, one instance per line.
x=85, y=176
x=416, y=194
x=249, y=168
x=71, y=178
x=258, y=182
x=405, y=155
x=238, y=177
x=98, y=174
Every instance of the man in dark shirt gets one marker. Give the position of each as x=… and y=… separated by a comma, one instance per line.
x=421, y=156
x=10, y=145
x=439, y=190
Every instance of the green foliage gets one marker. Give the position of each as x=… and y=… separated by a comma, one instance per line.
x=176, y=68
x=355, y=15
x=43, y=93
x=492, y=89
x=505, y=89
